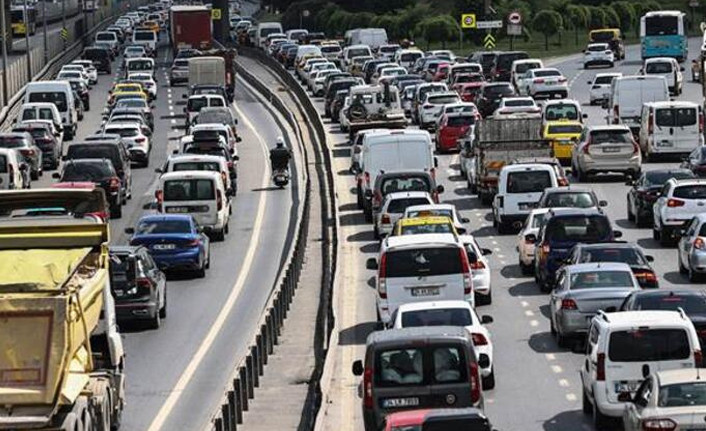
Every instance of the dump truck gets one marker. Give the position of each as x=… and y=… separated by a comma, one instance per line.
x=214, y=67
x=61, y=355
x=492, y=143
x=374, y=107
x=190, y=27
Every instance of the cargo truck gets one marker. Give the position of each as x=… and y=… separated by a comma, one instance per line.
x=214, y=67
x=61, y=356
x=492, y=143
x=190, y=27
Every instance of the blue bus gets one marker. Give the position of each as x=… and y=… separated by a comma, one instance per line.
x=663, y=34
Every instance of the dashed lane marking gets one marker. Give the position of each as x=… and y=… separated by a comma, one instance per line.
x=557, y=369
x=564, y=383
x=571, y=397
x=550, y=356
x=529, y=313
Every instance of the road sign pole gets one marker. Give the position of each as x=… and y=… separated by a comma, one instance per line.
x=512, y=39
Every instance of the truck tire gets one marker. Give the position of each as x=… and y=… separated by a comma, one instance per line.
x=101, y=407
x=69, y=423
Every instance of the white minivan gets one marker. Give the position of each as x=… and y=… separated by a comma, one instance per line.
x=199, y=193
x=265, y=29
x=519, y=188
x=624, y=348
x=146, y=38
x=13, y=170
x=423, y=267
x=60, y=94
x=667, y=67
x=629, y=93
x=42, y=111
x=671, y=128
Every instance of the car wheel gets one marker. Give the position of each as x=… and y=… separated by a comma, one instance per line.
x=219, y=235
x=156, y=321
x=163, y=310
x=639, y=221
x=562, y=340
x=655, y=234
x=600, y=421
x=34, y=175
x=525, y=269
x=631, y=216
x=504, y=228
x=664, y=238
x=694, y=277
x=201, y=271
x=484, y=299
x=586, y=405
x=489, y=382
x=682, y=268
x=376, y=232
x=116, y=212
x=208, y=258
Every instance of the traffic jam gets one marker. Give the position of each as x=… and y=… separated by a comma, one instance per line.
x=573, y=186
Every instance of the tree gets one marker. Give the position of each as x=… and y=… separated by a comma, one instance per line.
x=547, y=22
x=411, y=17
x=641, y=8
x=391, y=23
x=626, y=14
x=597, y=18
x=612, y=20
x=577, y=17
x=440, y=28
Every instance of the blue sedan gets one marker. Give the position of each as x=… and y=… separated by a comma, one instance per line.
x=175, y=241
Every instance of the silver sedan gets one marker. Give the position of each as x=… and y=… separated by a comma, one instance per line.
x=602, y=149
x=692, y=248
x=583, y=289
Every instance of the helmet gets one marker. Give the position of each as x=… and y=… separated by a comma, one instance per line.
x=280, y=142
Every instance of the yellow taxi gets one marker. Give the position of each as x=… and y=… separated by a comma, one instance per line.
x=151, y=25
x=422, y=225
x=126, y=95
x=121, y=88
x=562, y=135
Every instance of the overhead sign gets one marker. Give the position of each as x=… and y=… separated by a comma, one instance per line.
x=215, y=14
x=468, y=20
x=481, y=25
x=514, y=18
x=489, y=41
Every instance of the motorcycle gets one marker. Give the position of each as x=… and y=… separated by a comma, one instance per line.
x=280, y=177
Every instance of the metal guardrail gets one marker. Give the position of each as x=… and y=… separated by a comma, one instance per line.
x=246, y=378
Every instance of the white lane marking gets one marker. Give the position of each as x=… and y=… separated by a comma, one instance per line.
x=534, y=323
x=557, y=369
x=501, y=256
x=173, y=121
x=563, y=383
x=494, y=242
x=571, y=397
x=502, y=262
x=529, y=313
x=550, y=356
x=217, y=325
x=578, y=75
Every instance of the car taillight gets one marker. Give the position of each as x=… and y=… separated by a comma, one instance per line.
x=144, y=284
x=562, y=79
x=219, y=201
x=140, y=140
x=563, y=182
x=673, y=203
x=701, y=123
x=600, y=367
x=538, y=81
x=193, y=243
x=479, y=339
x=650, y=123
x=385, y=219
x=545, y=248
x=698, y=358
x=377, y=198
x=427, y=106
x=647, y=276
x=114, y=184
x=585, y=147
x=368, y=388
x=475, y=382
x=382, y=273
x=568, y=304
x=27, y=153
x=635, y=147
x=699, y=243
x=616, y=114
x=466, y=270
x=367, y=178
x=478, y=265
x=660, y=424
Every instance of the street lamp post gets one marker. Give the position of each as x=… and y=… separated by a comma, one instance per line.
x=4, y=53
x=63, y=18
x=44, y=24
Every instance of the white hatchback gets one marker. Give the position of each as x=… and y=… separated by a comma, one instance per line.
x=600, y=87
x=527, y=238
x=480, y=268
x=393, y=209
x=598, y=54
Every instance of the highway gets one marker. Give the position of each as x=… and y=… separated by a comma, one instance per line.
x=538, y=385
x=176, y=373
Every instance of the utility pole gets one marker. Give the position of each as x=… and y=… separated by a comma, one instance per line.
x=29, y=56
x=4, y=52
x=44, y=24
x=63, y=18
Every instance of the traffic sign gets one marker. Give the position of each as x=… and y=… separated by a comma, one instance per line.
x=64, y=33
x=215, y=14
x=489, y=41
x=514, y=18
x=489, y=24
x=514, y=29
x=468, y=20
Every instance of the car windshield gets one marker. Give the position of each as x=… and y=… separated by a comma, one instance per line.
x=578, y=228
x=696, y=191
x=18, y=142
x=597, y=48
x=147, y=227
x=196, y=103
x=682, y=394
x=602, y=36
x=658, y=178
x=423, y=262
x=626, y=255
x=58, y=98
x=562, y=111
x=601, y=279
x=648, y=345
x=524, y=67
x=562, y=129
x=189, y=190
x=538, y=220
x=658, y=67
x=570, y=200
x=105, y=36
x=437, y=317
x=611, y=137
x=95, y=172
x=196, y=166
x=405, y=184
x=124, y=132
x=661, y=26
x=528, y=181
x=675, y=117
x=691, y=303
x=544, y=73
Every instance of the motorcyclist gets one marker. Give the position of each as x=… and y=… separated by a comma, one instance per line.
x=280, y=156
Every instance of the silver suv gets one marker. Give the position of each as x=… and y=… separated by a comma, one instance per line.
x=603, y=149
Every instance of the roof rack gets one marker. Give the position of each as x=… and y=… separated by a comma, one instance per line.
x=603, y=315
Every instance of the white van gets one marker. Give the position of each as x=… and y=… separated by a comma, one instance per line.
x=519, y=188
x=667, y=67
x=207, y=71
x=417, y=268
x=372, y=37
x=196, y=102
x=671, y=128
x=520, y=67
x=42, y=111
x=294, y=35
x=629, y=93
x=306, y=51
x=623, y=348
x=197, y=162
x=199, y=193
x=355, y=51
x=264, y=29
x=12, y=170
x=60, y=94
x=389, y=150
x=407, y=57
x=146, y=38
x=140, y=64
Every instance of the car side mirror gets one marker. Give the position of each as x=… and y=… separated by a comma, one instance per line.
x=485, y=319
x=184, y=96
x=465, y=220
x=440, y=189
x=602, y=204
x=436, y=162
x=486, y=251
x=371, y=263
x=483, y=360
x=589, y=82
x=645, y=371
x=238, y=139
x=617, y=234
x=625, y=397
x=649, y=258
x=130, y=230
x=56, y=175
x=531, y=238
x=158, y=170
x=175, y=151
x=357, y=368
x=584, y=116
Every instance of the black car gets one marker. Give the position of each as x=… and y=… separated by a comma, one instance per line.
x=139, y=287
x=290, y=56
x=696, y=161
x=617, y=251
x=692, y=301
x=45, y=140
x=486, y=59
x=502, y=64
x=491, y=95
x=100, y=172
x=645, y=191
x=100, y=57
x=333, y=89
x=337, y=104
x=370, y=68
x=83, y=94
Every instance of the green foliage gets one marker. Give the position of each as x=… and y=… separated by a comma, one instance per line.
x=547, y=22
x=626, y=14
x=612, y=20
x=576, y=16
x=391, y=23
x=597, y=17
x=441, y=28
x=411, y=17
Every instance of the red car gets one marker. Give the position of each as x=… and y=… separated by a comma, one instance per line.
x=442, y=71
x=469, y=91
x=451, y=127
x=466, y=419
x=465, y=78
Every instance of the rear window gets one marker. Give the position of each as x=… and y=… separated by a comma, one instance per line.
x=597, y=48
x=682, y=395
x=195, y=104
x=542, y=73
x=675, y=117
x=422, y=228
x=410, y=56
x=31, y=114
x=528, y=181
x=437, y=317
x=562, y=111
x=423, y=262
x=189, y=190
x=196, y=166
x=602, y=36
x=16, y=142
x=145, y=36
x=498, y=90
x=578, y=228
x=146, y=227
x=92, y=151
x=524, y=67
x=106, y=36
x=181, y=63
x=518, y=102
x=601, y=279
x=696, y=191
x=658, y=178
x=565, y=129
x=399, y=367
x=646, y=345
x=570, y=200
x=398, y=206
x=86, y=172
x=58, y=98
x=357, y=52
x=604, y=79
x=405, y=184
x=505, y=60
x=611, y=137
x=122, y=271
x=122, y=131
x=442, y=100
x=690, y=303
x=658, y=67
x=461, y=121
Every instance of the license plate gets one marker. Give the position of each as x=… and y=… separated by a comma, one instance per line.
x=392, y=403
x=550, y=82
x=526, y=205
x=626, y=386
x=611, y=149
x=425, y=291
x=119, y=293
x=177, y=209
x=666, y=144
x=163, y=246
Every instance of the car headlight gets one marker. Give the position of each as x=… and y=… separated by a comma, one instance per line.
x=132, y=291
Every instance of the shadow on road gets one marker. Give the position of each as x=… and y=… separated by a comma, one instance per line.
x=356, y=335
x=568, y=421
x=352, y=219
x=675, y=277
x=527, y=288
x=544, y=342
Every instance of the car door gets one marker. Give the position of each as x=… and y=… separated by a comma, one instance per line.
x=557, y=294
x=687, y=240
x=152, y=271
x=588, y=370
x=660, y=202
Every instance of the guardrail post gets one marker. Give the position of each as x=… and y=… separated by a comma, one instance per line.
x=244, y=391
x=255, y=366
x=232, y=415
x=261, y=353
x=238, y=392
x=218, y=424
x=226, y=419
x=252, y=376
x=270, y=332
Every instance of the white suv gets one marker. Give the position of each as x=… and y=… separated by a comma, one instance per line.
x=545, y=82
x=679, y=201
x=623, y=348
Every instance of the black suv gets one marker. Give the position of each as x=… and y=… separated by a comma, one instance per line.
x=617, y=251
x=99, y=172
x=491, y=95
